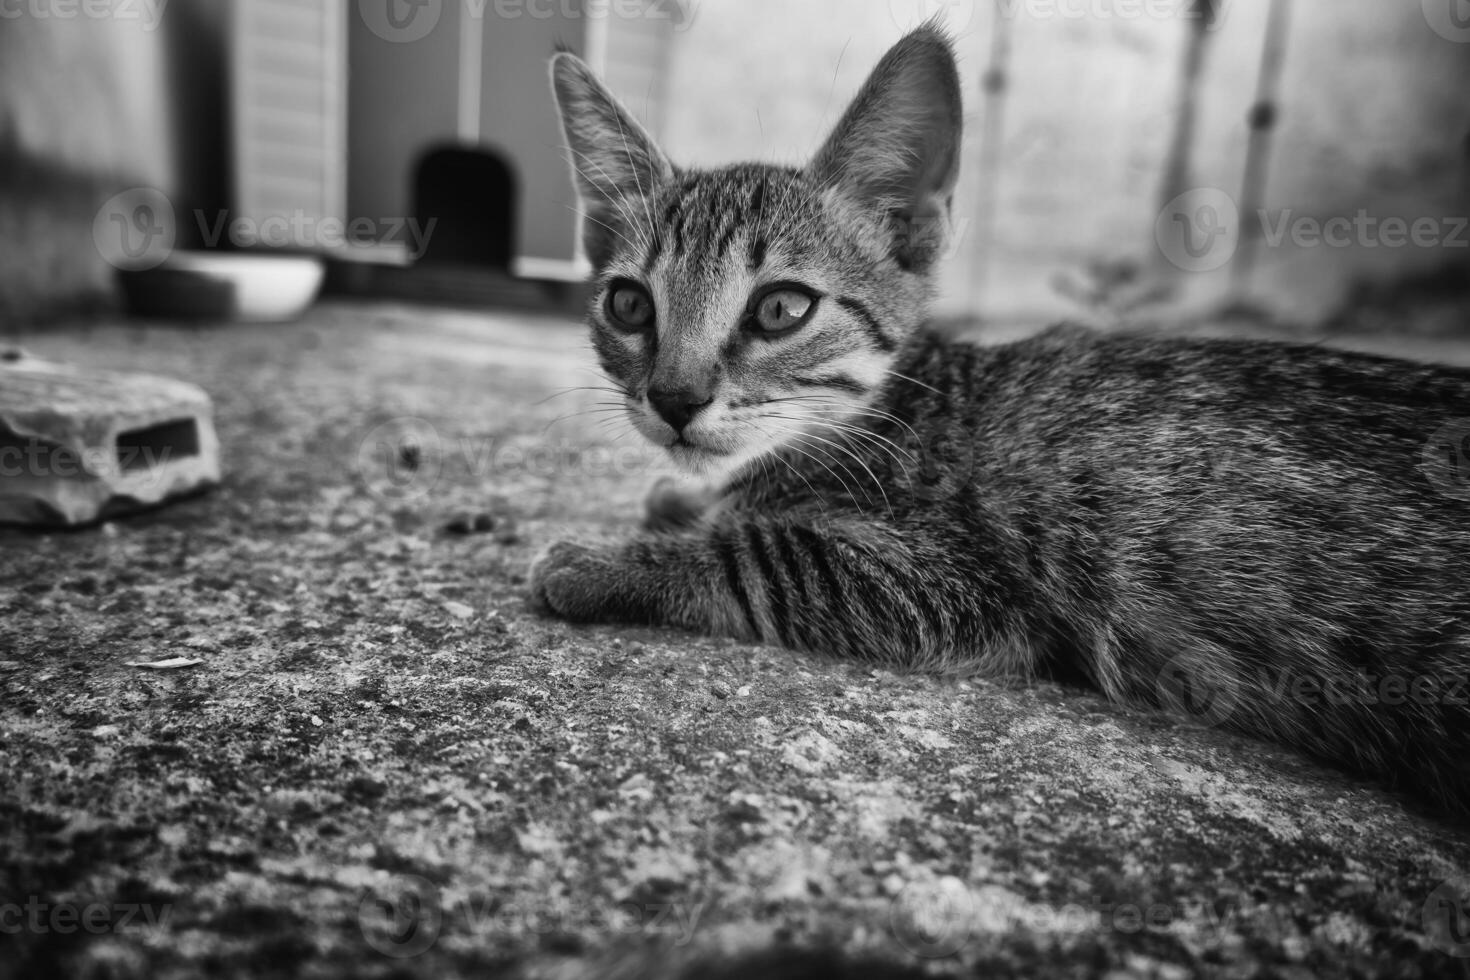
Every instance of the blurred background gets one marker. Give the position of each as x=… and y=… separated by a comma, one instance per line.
x=1301, y=162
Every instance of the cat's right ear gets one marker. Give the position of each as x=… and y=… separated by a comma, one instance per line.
x=896, y=151
x=615, y=163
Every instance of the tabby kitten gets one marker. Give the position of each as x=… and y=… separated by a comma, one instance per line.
x=1239, y=529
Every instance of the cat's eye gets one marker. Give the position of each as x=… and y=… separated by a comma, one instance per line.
x=782, y=309
x=629, y=306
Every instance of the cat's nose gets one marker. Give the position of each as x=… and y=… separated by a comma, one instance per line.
x=678, y=408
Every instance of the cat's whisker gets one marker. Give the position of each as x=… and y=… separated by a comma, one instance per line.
x=821, y=503
x=573, y=390
x=769, y=460
x=848, y=410
x=622, y=389
x=804, y=453
x=598, y=221
x=617, y=201
x=807, y=439
x=595, y=410
x=877, y=442
x=637, y=180
x=788, y=464
x=845, y=433
x=838, y=446
x=912, y=381
x=802, y=439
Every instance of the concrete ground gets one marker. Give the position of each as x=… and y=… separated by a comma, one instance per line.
x=386, y=766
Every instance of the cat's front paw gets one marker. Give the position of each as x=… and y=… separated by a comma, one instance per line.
x=573, y=581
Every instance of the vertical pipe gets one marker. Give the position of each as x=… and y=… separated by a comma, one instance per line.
x=1264, y=114
x=471, y=73
x=1177, y=176
x=995, y=83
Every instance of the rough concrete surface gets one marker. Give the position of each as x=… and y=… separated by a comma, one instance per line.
x=384, y=765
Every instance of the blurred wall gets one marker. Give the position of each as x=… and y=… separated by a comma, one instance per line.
x=91, y=105
x=1373, y=116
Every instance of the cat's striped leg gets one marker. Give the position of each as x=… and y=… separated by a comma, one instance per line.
x=856, y=589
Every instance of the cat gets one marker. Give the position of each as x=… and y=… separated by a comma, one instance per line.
x=1258, y=533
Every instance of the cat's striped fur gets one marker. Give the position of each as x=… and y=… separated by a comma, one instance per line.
x=1251, y=522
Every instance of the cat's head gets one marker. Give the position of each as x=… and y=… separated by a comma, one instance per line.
x=747, y=306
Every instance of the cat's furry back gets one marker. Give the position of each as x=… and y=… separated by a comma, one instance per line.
x=1243, y=530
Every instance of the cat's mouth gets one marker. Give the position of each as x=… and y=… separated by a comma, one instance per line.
x=699, y=457
x=685, y=448
x=684, y=442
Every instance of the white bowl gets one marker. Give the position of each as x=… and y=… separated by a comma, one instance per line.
x=229, y=285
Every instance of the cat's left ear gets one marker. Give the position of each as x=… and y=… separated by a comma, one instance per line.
x=897, y=149
x=615, y=163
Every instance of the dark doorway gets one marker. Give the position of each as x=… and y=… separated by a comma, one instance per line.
x=471, y=197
